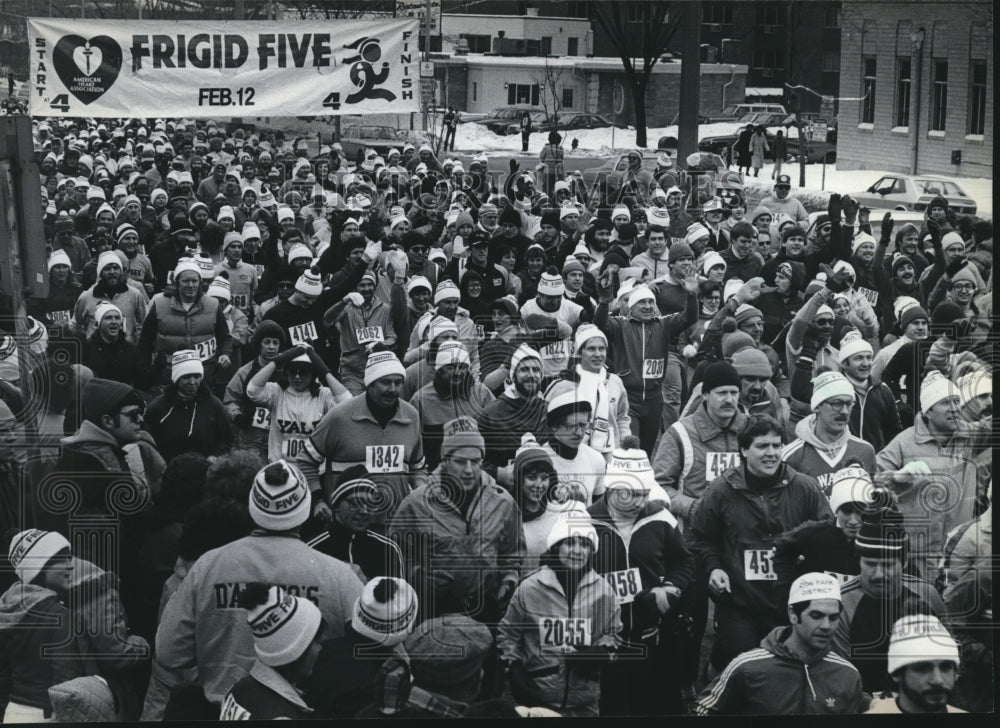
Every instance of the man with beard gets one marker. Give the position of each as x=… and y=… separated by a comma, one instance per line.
x=879, y=595
x=924, y=663
x=114, y=287
x=137, y=265
x=767, y=680
x=874, y=417
x=453, y=393
x=209, y=187
x=550, y=309
x=375, y=429
x=816, y=318
x=460, y=534
x=734, y=535
x=598, y=240
x=519, y=410
x=902, y=282
x=824, y=442
x=108, y=352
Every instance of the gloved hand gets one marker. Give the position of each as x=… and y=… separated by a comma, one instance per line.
x=955, y=266
x=522, y=687
x=287, y=355
x=833, y=207
x=935, y=231
x=355, y=299
x=959, y=329
x=749, y=290
x=513, y=166
x=321, y=368
x=887, y=225
x=850, y=208
x=837, y=282
x=398, y=262
x=372, y=252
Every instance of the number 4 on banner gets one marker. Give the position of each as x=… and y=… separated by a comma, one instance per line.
x=332, y=101
x=60, y=102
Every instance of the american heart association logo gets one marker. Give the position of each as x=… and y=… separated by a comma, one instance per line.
x=87, y=68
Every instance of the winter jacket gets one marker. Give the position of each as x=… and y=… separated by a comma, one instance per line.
x=693, y=452
x=742, y=268
x=538, y=603
x=778, y=311
x=435, y=411
x=816, y=546
x=654, y=547
x=115, y=360
x=820, y=460
x=129, y=297
x=203, y=626
x=196, y=425
x=773, y=680
x=486, y=541
x=371, y=553
x=875, y=416
x=734, y=529
x=638, y=349
x=31, y=616
x=58, y=306
x=86, y=699
x=505, y=421
x=169, y=327
x=263, y=694
x=789, y=206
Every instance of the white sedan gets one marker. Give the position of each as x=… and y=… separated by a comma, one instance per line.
x=914, y=192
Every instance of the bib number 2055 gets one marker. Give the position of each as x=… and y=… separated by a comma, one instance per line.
x=564, y=631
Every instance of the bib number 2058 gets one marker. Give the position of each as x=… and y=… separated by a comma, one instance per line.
x=564, y=631
x=626, y=584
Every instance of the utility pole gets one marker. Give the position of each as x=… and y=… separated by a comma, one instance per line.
x=687, y=132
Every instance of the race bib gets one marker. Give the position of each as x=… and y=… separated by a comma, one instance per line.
x=868, y=293
x=59, y=317
x=291, y=447
x=676, y=241
x=240, y=300
x=480, y=331
x=758, y=565
x=559, y=632
x=626, y=584
x=369, y=334
x=717, y=462
x=553, y=351
x=384, y=458
x=261, y=418
x=303, y=333
x=652, y=368
x=205, y=349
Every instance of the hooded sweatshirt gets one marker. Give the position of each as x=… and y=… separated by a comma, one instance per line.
x=810, y=455
x=773, y=680
x=196, y=425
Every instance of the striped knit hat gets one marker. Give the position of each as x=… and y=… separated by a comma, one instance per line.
x=31, y=550
x=280, y=499
x=882, y=534
x=920, y=638
x=386, y=611
x=283, y=625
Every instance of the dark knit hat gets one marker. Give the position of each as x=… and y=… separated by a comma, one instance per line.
x=882, y=533
x=510, y=215
x=105, y=396
x=355, y=478
x=719, y=374
x=601, y=223
x=531, y=454
x=551, y=217
x=411, y=238
x=628, y=231
x=271, y=330
x=900, y=260
x=910, y=315
x=792, y=230
x=679, y=250
x=944, y=313
x=938, y=201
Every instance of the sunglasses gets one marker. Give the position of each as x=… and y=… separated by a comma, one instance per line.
x=134, y=415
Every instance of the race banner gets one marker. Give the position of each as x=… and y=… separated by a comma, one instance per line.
x=207, y=68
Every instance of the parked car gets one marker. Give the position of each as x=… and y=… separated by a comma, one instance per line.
x=379, y=138
x=702, y=119
x=507, y=119
x=734, y=112
x=613, y=170
x=913, y=192
x=816, y=151
x=568, y=121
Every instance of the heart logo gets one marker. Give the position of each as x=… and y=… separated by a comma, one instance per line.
x=87, y=68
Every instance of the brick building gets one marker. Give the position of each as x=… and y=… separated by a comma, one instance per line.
x=925, y=70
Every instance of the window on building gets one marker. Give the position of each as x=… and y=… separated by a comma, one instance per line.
x=546, y=45
x=478, y=43
x=635, y=13
x=522, y=93
x=717, y=14
x=578, y=9
x=904, y=69
x=567, y=98
x=572, y=46
x=831, y=61
x=868, y=90
x=770, y=14
x=475, y=91
x=833, y=17
x=939, y=94
x=977, y=98
x=768, y=60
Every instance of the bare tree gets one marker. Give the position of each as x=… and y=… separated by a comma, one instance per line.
x=550, y=82
x=640, y=32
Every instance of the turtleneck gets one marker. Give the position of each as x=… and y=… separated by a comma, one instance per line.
x=860, y=385
x=758, y=483
x=563, y=451
x=381, y=414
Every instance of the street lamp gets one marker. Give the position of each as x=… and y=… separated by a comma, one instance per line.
x=917, y=37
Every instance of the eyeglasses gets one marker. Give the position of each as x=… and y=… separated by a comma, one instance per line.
x=463, y=463
x=578, y=427
x=840, y=404
x=134, y=415
x=963, y=287
x=418, y=249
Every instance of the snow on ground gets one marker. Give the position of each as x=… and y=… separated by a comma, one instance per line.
x=598, y=143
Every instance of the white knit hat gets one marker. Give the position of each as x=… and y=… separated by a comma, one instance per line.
x=219, y=288
x=551, y=284
x=712, y=259
x=108, y=257
x=232, y=237
x=279, y=498
x=629, y=468
x=620, y=210
x=446, y=291
x=731, y=287
x=382, y=364
x=418, y=282
x=569, y=524
x=31, y=550
x=853, y=344
x=851, y=485
x=386, y=611
x=184, y=362
x=950, y=239
x=451, y=352
x=298, y=250
x=520, y=354
x=844, y=265
x=285, y=213
x=828, y=385
x=283, y=626
x=814, y=585
x=226, y=213
x=585, y=333
x=859, y=240
x=206, y=267
x=251, y=231
x=695, y=233
x=103, y=309
x=658, y=215
x=59, y=257
x=975, y=384
x=309, y=283
x=640, y=293
x=935, y=388
x=824, y=309
x=185, y=264
x=920, y=638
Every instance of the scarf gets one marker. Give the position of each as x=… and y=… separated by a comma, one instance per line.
x=594, y=389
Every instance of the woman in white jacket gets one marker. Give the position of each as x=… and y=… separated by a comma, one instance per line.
x=296, y=408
